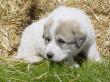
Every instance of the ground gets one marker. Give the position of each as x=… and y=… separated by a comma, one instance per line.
x=15, y=15
x=52, y=72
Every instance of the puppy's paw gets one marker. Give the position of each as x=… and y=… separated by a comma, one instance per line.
x=17, y=58
x=33, y=59
x=76, y=65
x=97, y=58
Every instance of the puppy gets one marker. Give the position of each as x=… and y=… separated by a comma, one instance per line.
x=61, y=36
x=67, y=33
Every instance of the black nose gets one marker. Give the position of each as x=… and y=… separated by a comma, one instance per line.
x=49, y=55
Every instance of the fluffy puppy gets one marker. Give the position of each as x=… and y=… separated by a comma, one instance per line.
x=67, y=33
x=61, y=36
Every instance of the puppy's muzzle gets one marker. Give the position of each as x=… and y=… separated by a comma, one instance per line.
x=50, y=55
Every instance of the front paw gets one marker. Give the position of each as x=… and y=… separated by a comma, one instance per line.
x=33, y=59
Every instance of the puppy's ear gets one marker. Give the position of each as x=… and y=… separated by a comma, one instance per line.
x=48, y=23
x=80, y=39
x=78, y=34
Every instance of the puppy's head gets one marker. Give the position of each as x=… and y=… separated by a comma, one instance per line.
x=62, y=39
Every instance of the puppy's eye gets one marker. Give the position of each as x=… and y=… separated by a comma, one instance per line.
x=47, y=40
x=61, y=41
x=43, y=36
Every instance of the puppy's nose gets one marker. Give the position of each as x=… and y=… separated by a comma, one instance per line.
x=49, y=55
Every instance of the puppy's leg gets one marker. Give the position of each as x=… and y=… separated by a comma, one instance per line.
x=92, y=53
x=33, y=59
x=29, y=48
x=19, y=55
x=28, y=54
x=72, y=62
x=32, y=44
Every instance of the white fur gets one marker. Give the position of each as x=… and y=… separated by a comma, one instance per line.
x=63, y=14
x=32, y=43
x=66, y=13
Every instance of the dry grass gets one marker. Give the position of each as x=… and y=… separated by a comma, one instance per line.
x=17, y=14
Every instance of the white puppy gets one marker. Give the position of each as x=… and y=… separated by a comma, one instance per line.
x=67, y=32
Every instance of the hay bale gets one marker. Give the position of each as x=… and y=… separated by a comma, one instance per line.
x=13, y=16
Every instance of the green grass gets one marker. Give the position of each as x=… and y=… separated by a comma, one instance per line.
x=52, y=72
